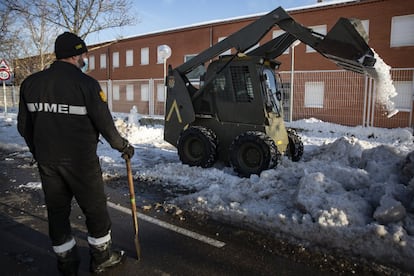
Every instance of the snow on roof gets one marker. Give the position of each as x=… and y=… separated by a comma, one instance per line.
x=215, y=21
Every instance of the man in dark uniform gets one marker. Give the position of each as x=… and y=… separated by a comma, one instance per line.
x=62, y=112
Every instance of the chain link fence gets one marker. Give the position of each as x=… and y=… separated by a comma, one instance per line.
x=335, y=96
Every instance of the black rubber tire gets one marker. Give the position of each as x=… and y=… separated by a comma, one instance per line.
x=253, y=152
x=295, y=146
x=197, y=146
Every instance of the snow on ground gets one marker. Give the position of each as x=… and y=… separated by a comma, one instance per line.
x=352, y=190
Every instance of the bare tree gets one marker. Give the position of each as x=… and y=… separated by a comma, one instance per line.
x=30, y=39
x=8, y=34
x=39, y=22
x=81, y=17
x=41, y=34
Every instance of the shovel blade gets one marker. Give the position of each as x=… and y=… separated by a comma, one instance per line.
x=137, y=247
x=346, y=44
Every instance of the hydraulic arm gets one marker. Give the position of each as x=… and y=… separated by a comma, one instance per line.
x=344, y=44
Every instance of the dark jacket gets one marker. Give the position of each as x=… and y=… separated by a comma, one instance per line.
x=62, y=111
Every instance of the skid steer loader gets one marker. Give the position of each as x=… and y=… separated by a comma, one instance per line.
x=234, y=114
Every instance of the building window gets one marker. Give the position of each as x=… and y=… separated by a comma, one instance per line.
x=115, y=59
x=130, y=92
x=228, y=52
x=197, y=72
x=160, y=60
x=365, y=24
x=144, y=92
x=188, y=57
x=320, y=29
x=91, y=63
x=160, y=92
x=103, y=61
x=279, y=33
x=314, y=94
x=405, y=94
x=129, y=58
x=115, y=92
x=402, y=31
x=144, y=56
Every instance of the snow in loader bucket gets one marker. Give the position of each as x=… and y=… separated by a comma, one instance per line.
x=346, y=45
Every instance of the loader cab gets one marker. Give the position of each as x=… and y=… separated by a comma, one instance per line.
x=272, y=95
x=239, y=90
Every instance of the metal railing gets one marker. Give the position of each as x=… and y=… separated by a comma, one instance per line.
x=147, y=95
x=347, y=98
x=335, y=96
x=9, y=96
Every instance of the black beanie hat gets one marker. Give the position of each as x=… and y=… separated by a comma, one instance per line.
x=69, y=45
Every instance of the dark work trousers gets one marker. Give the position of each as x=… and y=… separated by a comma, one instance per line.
x=82, y=180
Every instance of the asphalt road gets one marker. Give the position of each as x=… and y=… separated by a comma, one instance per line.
x=171, y=244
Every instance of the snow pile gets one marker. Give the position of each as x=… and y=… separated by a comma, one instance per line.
x=353, y=189
x=31, y=185
x=343, y=196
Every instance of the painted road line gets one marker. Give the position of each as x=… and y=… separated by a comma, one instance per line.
x=169, y=226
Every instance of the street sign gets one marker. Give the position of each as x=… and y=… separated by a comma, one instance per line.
x=4, y=70
x=4, y=65
x=4, y=75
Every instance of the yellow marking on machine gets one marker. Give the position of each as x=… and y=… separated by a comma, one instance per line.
x=174, y=106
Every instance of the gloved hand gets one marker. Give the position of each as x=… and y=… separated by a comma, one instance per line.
x=128, y=151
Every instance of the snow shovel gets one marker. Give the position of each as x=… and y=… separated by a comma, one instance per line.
x=133, y=205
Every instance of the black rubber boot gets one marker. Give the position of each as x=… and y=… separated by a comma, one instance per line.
x=103, y=257
x=68, y=262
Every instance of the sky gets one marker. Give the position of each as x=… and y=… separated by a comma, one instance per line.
x=160, y=15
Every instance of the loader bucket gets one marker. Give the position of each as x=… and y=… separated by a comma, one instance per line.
x=346, y=45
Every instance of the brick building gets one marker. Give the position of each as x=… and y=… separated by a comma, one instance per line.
x=131, y=73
